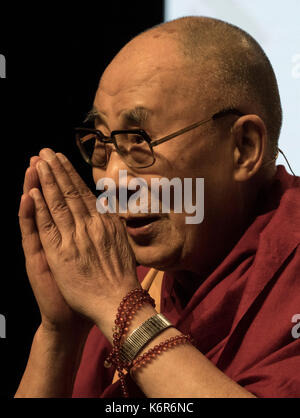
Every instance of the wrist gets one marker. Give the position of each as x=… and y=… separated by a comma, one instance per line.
x=68, y=341
x=52, y=365
x=145, y=312
x=142, y=311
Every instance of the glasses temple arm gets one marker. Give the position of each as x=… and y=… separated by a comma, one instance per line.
x=177, y=133
x=195, y=125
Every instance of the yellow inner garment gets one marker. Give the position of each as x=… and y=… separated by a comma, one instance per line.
x=152, y=283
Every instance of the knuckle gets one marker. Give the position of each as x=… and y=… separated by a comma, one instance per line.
x=68, y=251
x=49, y=182
x=50, y=233
x=54, y=237
x=89, y=198
x=80, y=233
x=59, y=208
x=92, y=224
x=71, y=193
x=47, y=226
x=86, y=192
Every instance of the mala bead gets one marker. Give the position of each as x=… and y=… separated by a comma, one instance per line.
x=128, y=307
x=141, y=361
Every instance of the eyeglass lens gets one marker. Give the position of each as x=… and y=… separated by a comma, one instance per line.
x=132, y=147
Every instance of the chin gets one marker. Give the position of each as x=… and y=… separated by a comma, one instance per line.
x=160, y=257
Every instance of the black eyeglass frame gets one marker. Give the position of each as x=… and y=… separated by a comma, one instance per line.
x=111, y=139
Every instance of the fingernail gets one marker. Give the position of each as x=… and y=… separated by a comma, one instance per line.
x=42, y=167
x=47, y=154
x=61, y=157
x=33, y=160
x=34, y=193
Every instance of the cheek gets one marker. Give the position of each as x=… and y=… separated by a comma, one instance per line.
x=176, y=236
x=165, y=248
x=218, y=193
x=97, y=174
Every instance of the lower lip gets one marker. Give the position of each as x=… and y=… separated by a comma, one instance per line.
x=143, y=230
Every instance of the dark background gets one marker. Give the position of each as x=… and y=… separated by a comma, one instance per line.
x=54, y=61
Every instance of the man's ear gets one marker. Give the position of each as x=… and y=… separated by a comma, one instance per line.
x=250, y=136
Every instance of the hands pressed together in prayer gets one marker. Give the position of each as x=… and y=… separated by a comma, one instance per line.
x=79, y=262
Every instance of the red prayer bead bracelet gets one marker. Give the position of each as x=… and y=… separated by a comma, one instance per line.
x=151, y=354
x=129, y=305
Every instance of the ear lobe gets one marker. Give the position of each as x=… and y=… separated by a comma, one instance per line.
x=249, y=135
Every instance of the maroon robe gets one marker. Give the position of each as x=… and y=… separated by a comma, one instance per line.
x=241, y=316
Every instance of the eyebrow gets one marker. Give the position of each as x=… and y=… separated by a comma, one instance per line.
x=136, y=116
x=94, y=115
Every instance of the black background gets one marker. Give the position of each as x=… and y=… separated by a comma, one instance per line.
x=54, y=61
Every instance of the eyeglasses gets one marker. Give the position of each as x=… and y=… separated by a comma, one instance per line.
x=134, y=146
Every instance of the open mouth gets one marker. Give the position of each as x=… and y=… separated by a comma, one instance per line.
x=140, y=222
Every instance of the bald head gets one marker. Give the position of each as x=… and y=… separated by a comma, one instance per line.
x=238, y=72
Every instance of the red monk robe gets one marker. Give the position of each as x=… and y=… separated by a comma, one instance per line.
x=241, y=316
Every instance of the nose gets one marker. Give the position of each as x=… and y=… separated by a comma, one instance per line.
x=114, y=165
x=120, y=175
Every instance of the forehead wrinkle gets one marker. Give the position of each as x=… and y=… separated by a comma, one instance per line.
x=147, y=72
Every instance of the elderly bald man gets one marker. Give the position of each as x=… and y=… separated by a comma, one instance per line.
x=194, y=98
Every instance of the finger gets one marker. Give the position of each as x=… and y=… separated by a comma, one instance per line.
x=46, y=227
x=71, y=193
x=54, y=199
x=31, y=180
x=87, y=196
x=30, y=236
x=34, y=160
